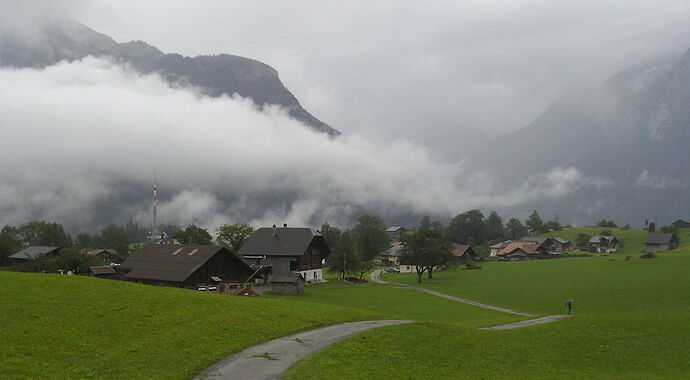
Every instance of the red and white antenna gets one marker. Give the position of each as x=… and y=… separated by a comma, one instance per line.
x=154, y=231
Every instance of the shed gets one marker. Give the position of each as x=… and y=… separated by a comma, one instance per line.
x=103, y=271
x=289, y=284
x=657, y=241
x=186, y=266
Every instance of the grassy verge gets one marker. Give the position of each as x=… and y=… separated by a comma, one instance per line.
x=78, y=327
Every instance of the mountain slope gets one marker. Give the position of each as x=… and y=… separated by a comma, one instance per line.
x=215, y=75
x=628, y=138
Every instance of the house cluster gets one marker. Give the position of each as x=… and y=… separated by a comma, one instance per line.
x=531, y=247
x=284, y=257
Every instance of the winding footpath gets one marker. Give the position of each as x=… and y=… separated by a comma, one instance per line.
x=375, y=277
x=270, y=359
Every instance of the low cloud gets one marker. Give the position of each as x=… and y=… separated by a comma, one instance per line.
x=79, y=143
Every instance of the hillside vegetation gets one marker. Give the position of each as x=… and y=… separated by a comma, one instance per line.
x=78, y=327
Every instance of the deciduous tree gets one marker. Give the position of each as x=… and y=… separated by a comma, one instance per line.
x=232, y=236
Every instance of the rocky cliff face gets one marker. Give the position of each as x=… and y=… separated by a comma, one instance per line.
x=215, y=75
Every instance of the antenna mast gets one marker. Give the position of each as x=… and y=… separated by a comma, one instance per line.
x=154, y=231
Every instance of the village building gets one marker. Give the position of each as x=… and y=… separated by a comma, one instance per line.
x=206, y=267
x=32, y=252
x=681, y=223
x=107, y=256
x=396, y=233
x=562, y=245
x=103, y=271
x=287, y=249
x=603, y=244
x=391, y=256
x=547, y=243
x=657, y=241
x=463, y=253
x=496, y=248
x=523, y=250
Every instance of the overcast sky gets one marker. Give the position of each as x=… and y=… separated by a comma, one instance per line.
x=430, y=70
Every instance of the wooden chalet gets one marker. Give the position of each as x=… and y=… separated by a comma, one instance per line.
x=657, y=241
x=681, y=223
x=496, y=248
x=20, y=260
x=185, y=266
x=603, y=244
x=463, y=253
x=287, y=249
x=396, y=233
x=523, y=250
x=107, y=256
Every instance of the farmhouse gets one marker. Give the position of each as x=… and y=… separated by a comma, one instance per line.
x=287, y=249
x=396, y=233
x=548, y=243
x=562, y=245
x=523, y=250
x=661, y=241
x=681, y=223
x=463, y=252
x=391, y=256
x=603, y=244
x=107, y=256
x=34, y=251
x=187, y=266
x=494, y=249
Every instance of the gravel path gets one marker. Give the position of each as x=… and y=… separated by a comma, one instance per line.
x=529, y=322
x=268, y=360
x=377, y=273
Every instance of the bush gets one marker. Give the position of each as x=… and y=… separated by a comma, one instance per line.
x=648, y=255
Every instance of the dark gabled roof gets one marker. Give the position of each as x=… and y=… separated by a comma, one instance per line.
x=102, y=270
x=33, y=251
x=395, y=228
x=290, y=277
x=174, y=263
x=528, y=247
x=394, y=250
x=288, y=241
x=459, y=250
x=98, y=251
x=682, y=222
x=660, y=238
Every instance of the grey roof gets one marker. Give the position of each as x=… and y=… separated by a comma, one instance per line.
x=597, y=238
x=174, y=263
x=289, y=241
x=660, y=238
x=395, y=228
x=290, y=277
x=561, y=240
x=501, y=245
x=33, y=251
x=394, y=250
x=538, y=239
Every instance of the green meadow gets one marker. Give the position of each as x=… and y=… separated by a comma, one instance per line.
x=74, y=327
x=631, y=320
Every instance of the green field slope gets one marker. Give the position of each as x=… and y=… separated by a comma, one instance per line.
x=60, y=327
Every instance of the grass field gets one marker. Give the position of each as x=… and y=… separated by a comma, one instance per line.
x=73, y=327
x=631, y=321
